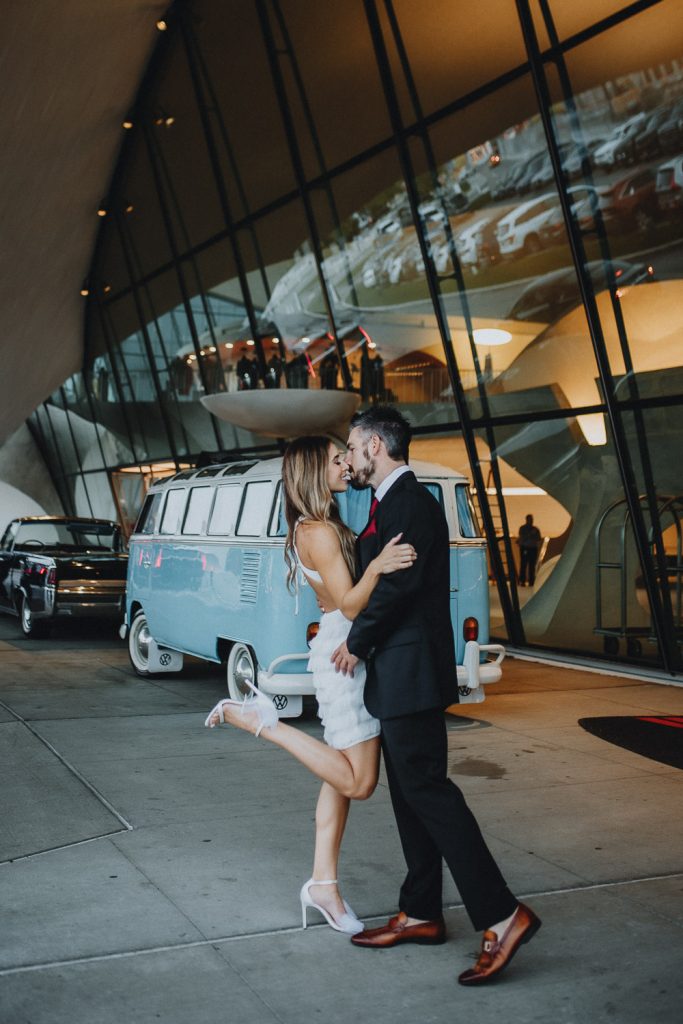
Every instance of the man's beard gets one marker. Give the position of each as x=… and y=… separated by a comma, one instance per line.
x=361, y=477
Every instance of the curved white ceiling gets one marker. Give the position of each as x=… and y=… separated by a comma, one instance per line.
x=69, y=70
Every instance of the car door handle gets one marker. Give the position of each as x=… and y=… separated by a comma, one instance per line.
x=146, y=560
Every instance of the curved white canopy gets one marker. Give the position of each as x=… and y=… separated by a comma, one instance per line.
x=69, y=73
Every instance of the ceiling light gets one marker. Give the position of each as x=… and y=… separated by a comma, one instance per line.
x=102, y=209
x=128, y=208
x=85, y=291
x=250, y=341
x=127, y=123
x=491, y=336
x=161, y=117
x=593, y=428
x=162, y=25
x=229, y=344
x=106, y=288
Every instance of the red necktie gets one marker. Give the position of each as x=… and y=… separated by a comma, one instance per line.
x=371, y=524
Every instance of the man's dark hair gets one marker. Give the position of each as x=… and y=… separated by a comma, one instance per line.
x=389, y=424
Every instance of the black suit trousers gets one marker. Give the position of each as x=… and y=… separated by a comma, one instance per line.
x=435, y=823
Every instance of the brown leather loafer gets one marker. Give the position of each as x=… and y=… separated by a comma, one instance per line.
x=429, y=933
x=497, y=954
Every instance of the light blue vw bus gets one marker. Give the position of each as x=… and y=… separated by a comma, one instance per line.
x=207, y=577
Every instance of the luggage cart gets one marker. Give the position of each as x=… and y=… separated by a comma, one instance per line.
x=670, y=514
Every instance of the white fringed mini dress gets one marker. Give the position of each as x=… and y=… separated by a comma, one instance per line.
x=346, y=721
x=345, y=718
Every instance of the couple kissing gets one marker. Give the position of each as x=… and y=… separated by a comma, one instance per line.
x=384, y=670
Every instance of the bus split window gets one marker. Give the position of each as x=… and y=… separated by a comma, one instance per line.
x=435, y=491
x=278, y=523
x=354, y=507
x=173, y=512
x=225, y=510
x=467, y=516
x=198, y=508
x=148, y=520
x=255, y=509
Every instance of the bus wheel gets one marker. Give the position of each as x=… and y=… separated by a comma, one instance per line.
x=241, y=667
x=138, y=644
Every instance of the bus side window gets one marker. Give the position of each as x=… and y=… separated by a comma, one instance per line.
x=435, y=491
x=225, y=509
x=256, y=508
x=148, y=520
x=173, y=512
x=467, y=517
x=198, y=508
x=354, y=507
x=278, y=523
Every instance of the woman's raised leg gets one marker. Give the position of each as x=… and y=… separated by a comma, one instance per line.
x=352, y=772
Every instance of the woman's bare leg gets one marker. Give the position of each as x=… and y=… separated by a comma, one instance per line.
x=331, y=813
x=352, y=772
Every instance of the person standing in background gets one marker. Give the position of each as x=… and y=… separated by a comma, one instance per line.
x=529, y=541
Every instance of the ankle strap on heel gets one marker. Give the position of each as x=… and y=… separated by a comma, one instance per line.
x=327, y=881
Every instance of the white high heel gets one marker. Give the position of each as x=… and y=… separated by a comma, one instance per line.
x=347, y=923
x=258, y=702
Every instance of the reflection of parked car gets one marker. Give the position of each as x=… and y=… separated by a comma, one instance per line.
x=388, y=225
x=528, y=170
x=669, y=185
x=584, y=198
x=518, y=232
x=225, y=533
x=648, y=142
x=505, y=185
x=572, y=163
x=466, y=244
x=633, y=198
x=619, y=148
x=556, y=293
x=545, y=174
x=671, y=130
x=478, y=244
x=432, y=210
x=53, y=566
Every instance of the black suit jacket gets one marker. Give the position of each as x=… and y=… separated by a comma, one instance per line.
x=405, y=633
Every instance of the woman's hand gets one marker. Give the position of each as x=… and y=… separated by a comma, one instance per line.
x=394, y=556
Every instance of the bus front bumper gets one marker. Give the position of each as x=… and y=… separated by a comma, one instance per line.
x=473, y=674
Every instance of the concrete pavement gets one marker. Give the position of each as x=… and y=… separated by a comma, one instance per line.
x=150, y=868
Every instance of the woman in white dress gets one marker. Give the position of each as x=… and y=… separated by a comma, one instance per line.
x=321, y=547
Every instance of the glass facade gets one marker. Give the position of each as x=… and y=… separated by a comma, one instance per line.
x=478, y=219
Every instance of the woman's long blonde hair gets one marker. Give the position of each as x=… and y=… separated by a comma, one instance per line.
x=307, y=493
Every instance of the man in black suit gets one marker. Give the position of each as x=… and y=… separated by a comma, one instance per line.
x=406, y=638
